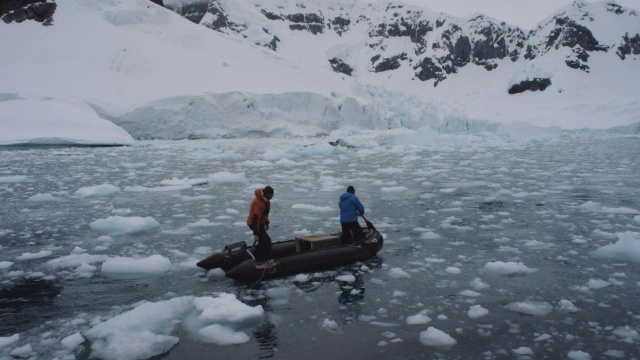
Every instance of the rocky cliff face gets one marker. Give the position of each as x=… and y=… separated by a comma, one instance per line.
x=22, y=10
x=439, y=44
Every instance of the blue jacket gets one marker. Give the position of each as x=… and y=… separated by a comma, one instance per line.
x=350, y=206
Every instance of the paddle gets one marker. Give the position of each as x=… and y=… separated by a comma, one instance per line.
x=369, y=224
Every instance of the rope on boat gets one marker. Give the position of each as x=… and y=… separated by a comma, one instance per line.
x=267, y=266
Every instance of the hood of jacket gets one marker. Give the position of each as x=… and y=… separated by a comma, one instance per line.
x=345, y=196
x=259, y=195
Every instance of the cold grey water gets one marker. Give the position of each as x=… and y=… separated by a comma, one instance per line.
x=492, y=250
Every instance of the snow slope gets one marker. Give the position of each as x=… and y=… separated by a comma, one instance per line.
x=158, y=75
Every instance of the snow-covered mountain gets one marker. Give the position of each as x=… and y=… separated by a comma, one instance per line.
x=281, y=68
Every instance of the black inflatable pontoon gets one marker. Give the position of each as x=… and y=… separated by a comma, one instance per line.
x=310, y=253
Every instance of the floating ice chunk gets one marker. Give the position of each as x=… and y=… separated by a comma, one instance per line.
x=453, y=270
x=626, y=248
x=14, y=179
x=469, y=293
x=506, y=268
x=537, y=245
x=75, y=260
x=448, y=224
x=222, y=335
x=628, y=333
x=597, y=284
x=312, y=208
x=301, y=278
x=535, y=308
x=125, y=267
x=346, y=278
x=477, y=311
x=398, y=293
x=32, y=256
x=72, y=341
x=226, y=308
x=42, y=198
x=604, y=234
x=619, y=210
x=594, y=206
x=119, y=225
x=216, y=273
x=9, y=340
x=85, y=270
x=203, y=223
x=393, y=189
x=542, y=337
x=22, y=352
x=302, y=232
x=614, y=354
x=5, y=264
x=418, y=319
x=227, y=177
x=132, y=345
x=98, y=190
x=522, y=351
x=566, y=306
x=578, y=355
x=139, y=333
x=478, y=284
x=186, y=181
x=435, y=337
x=429, y=235
x=398, y=273
x=330, y=325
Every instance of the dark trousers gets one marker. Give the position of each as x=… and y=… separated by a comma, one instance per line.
x=263, y=248
x=351, y=232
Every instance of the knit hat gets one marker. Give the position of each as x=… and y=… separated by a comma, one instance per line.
x=351, y=189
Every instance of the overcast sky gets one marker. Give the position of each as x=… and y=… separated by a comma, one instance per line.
x=524, y=13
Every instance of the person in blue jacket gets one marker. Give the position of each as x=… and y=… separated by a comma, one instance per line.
x=350, y=208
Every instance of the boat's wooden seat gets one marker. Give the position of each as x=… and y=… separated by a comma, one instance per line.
x=317, y=242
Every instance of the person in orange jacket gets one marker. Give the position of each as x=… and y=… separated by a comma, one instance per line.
x=258, y=221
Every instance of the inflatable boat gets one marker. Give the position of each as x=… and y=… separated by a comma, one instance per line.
x=302, y=254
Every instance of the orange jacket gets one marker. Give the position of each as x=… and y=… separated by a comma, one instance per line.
x=259, y=211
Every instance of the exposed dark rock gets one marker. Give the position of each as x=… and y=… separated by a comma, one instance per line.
x=415, y=30
x=271, y=16
x=429, y=70
x=391, y=63
x=21, y=10
x=375, y=58
x=340, y=25
x=192, y=11
x=158, y=2
x=305, y=18
x=312, y=28
x=568, y=33
x=489, y=48
x=461, y=51
x=340, y=66
x=531, y=52
x=220, y=19
x=440, y=22
x=273, y=44
x=629, y=46
x=615, y=8
x=575, y=64
x=537, y=84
